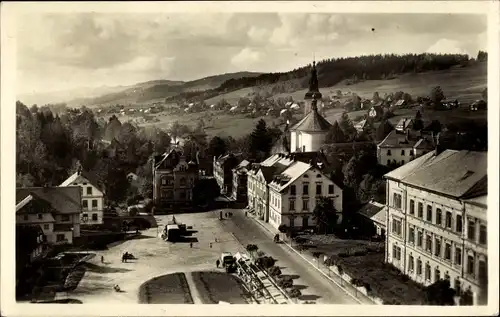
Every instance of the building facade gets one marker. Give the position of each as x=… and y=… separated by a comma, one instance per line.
x=92, y=197
x=56, y=210
x=399, y=148
x=240, y=190
x=436, y=219
x=294, y=192
x=223, y=171
x=173, y=181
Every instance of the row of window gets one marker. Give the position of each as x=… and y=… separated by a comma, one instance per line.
x=305, y=204
x=444, y=219
x=85, y=203
x=438, y=251
x=88, y=190
x=305, y=189
x=169, y=194
x=85, y=217
x=411, y=152
x=170, y=181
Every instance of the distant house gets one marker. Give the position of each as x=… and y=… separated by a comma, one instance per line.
x=400, y=148
x=223, y=171
x=360, y=126
x=55, y=209
x=400, y=103
x=374, y=214
x=174, y=180
x=239, y=192
x=376, y=112
x=404, y=124
x=31, y=244
x=478, y=105
x=92, y=196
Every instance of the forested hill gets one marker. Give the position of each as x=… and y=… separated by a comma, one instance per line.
x=335, y=70
x=330, y=72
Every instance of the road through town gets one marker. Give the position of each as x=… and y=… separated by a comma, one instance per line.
x=316, y=287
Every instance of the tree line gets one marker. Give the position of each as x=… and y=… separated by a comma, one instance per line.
x=332, y=71
x=53, y=143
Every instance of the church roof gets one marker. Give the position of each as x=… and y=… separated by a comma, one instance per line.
x=312, y=122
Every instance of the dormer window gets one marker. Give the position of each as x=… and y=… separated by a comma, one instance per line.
x=318, y=176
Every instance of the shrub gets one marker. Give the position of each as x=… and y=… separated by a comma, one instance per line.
x=285, y=282
x=274, y=271
x=260, y=253
x=343, y=255
x=360, y=253
x=282, y=228
x=294, y=293
x=367, y=286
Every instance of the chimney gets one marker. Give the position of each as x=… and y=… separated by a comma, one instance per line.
x=408, y=135
x=439, y=147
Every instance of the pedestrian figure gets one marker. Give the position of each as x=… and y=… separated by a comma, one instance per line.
x=102, y=259
x=191, y=244
x=217, y=263
x=216, y=240
x=210, y=244
x=246, y=213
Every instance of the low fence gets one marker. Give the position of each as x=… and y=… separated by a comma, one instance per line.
x=346, y=278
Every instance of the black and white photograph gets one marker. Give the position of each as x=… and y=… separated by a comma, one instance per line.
x=254, y=153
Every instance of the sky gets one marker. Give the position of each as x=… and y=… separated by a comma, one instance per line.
x=59, y=51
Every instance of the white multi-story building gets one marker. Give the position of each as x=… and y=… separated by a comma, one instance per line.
x=56, y=210
x=92, y=197
x=436, y=219
x=293, y=195
x=401, y=148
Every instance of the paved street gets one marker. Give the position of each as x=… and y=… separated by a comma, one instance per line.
x=318, y=288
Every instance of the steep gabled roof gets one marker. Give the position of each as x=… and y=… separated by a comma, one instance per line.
x=91, y=177
x=65, y=200
x=312, y=122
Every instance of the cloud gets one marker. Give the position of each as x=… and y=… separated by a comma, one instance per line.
x=246, y=57
x=447, y=46
x=121, y=48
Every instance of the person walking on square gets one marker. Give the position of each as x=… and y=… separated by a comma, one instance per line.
x=191, y=244
x=217, y=263
x=102, y=259
x=210, y=244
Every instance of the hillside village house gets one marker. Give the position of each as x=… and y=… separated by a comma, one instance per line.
x=294, y=192
x=92, y=197
x=223, y=171
x=240, y=177
x=174, y=180
x=401, y=148
x=55, y=209
x=437, y=219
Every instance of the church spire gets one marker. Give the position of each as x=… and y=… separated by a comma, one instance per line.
x=314, y=104
x=313, y=81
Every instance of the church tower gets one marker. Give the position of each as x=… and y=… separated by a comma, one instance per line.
x=313, y=89
x=309, y=134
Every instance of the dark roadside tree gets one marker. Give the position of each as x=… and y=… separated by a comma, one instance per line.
x=434, y=127
x=383, y=130
x=260, y=141
x=335, y=134
x=178, y=130
x=418, y=122
x=325, y=215
x=436, y=96
x=317, y=255
x=439, y=293
x=216, y=147
x=347, y=127
x=252, y=249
